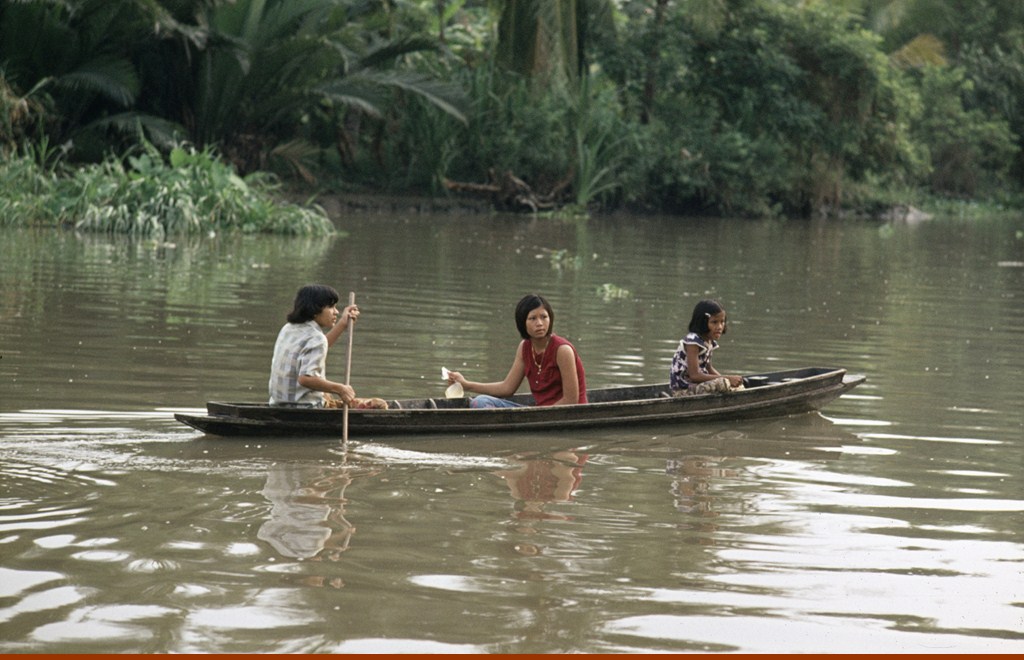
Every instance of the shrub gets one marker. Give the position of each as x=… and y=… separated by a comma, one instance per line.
x=190, y=192
x=971, y=151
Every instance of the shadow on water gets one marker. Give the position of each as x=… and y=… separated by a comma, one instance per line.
x=810, y=434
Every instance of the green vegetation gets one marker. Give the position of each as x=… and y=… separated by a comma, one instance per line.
x=188, y=193
x=746, y=107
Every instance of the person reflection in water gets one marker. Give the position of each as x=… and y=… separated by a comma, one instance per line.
x=536, y=482
x=307, y=515
x=691, y=489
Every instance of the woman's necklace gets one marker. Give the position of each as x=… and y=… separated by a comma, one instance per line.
x=538, y=360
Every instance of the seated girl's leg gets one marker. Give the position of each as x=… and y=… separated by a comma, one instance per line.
x=487, y=401
x=718, y=385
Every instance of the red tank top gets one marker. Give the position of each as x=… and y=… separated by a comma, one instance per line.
x=546, y=382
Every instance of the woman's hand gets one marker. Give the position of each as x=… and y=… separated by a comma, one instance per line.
x=350, y=313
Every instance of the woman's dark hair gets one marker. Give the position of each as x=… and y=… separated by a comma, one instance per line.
x=704, y=310
x=529, y=303
x=310, y=301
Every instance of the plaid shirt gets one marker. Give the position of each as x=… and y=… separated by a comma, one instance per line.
x=301, y=350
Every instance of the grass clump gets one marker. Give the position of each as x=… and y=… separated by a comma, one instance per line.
x=189, y=192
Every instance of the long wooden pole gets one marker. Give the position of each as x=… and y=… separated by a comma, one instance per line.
x=348, y=364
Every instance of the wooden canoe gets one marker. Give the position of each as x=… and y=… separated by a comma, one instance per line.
x=770, y=395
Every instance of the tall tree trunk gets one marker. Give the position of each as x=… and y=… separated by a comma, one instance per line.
x=540, y=39
x=653, y=57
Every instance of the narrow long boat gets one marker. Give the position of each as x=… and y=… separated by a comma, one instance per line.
x=766, y=395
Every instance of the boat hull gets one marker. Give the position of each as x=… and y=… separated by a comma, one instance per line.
x=784, y=393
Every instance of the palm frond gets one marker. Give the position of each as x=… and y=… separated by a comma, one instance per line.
x=295, y=154
x=365, y=91
x=111, y=78
x=141, y=127
x=445, y=96
x=355, y=93
x=388, y=52
x=922, y=50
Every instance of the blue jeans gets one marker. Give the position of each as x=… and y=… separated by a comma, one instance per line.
x=487, y=401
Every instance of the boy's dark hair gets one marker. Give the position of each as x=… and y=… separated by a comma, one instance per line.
x=704, y=310
x=310, y=301
x=529, y=303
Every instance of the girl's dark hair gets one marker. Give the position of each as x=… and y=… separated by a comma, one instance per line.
x=310, y=301
x=704, y=310
x=529, y=303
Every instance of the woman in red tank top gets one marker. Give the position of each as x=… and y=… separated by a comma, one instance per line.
x=549, y=363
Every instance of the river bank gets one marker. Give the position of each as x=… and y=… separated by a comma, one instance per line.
x=338, y=204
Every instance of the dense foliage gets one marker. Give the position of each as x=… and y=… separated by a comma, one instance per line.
x=686, y=106
x=188, y=192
